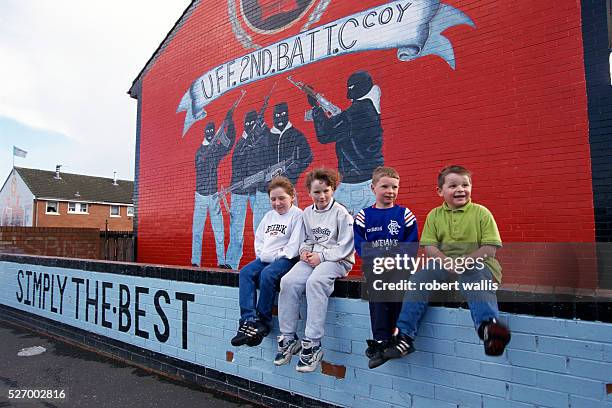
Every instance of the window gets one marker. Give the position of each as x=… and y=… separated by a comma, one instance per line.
x=52, y=207
x=130, y=211
x=114, y=211
x=77, y=208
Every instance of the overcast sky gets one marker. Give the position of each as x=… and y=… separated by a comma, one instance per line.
x=65, y=68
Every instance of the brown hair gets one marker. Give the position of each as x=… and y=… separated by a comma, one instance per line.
x=282, y=182
x=462, y=171
x=328, y=176
x=382, y=171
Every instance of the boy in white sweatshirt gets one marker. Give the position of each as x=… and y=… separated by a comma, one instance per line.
x=326, y=253
x=277, y=242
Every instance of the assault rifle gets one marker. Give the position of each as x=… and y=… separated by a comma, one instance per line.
x=328, y=108
x=260, y=122
x=222, y=131
x=261, y=176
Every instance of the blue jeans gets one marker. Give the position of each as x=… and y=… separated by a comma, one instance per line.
x=237, y=215
x=200, y=210
x=355, y=197
x=261, y=207
x=483, y=304
x=266, y=276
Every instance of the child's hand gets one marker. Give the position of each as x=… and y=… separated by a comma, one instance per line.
x=304, y=256
x=313, y=259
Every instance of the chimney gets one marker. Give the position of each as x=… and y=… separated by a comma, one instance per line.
x=115, y=178
x=57, y=172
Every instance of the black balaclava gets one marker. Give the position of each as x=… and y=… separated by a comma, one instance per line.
x=209, y=131
x=249, y=121
x=281, y=115
x=358, y=84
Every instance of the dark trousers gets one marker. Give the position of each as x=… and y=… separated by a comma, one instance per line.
x=383, y=316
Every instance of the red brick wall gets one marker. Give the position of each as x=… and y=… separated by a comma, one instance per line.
x=81, y=243
x=513, y=111
x=97, y=217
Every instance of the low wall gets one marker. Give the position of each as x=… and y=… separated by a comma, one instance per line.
x=179, y=321
x=64, y=242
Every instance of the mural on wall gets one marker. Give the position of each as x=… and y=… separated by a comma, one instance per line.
x=16, y=203
x=215, y=146
x=429, y=113
x=412, y=27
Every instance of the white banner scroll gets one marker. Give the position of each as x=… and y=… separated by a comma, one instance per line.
x=414, y=28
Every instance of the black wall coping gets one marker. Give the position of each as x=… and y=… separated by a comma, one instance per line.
x=589, y=305
x=205, y=377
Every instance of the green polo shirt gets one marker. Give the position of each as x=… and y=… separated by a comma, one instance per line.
x=461, y=231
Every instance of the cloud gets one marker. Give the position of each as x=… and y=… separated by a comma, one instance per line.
x=66, y=67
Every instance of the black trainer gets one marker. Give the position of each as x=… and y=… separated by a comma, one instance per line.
x=241, y=337
x=256, y=333
x=372, y=347
x=399, y=346
x=377, y=350
x=495, y=336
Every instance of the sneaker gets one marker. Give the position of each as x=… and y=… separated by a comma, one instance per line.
x=241, y=337
x=376, y=350
x=495, y=336
x=286, y=349
x=372, y=347
x=256, y=333
x=309, y=357
x=400, y=346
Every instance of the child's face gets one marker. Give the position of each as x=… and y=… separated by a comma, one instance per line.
x=280, y=200
x=321, y=193
x=385, y=190
x=456, y=190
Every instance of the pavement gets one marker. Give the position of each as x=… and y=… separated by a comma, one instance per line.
x=86, y=378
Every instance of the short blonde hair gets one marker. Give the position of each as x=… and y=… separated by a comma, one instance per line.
x=382, y=171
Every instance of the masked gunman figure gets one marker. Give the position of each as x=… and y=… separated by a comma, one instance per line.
x=357, y=133
x=208, y=156
x=248, y=159
x=285, y=142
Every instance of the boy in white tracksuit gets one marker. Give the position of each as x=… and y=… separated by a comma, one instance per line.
x=327, y=253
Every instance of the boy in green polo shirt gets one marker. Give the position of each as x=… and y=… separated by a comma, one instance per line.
x=460, y=238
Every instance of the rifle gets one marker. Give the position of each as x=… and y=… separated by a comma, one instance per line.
x=266, y=174
x=328, y=108
x=222, y=131
x=260, y=122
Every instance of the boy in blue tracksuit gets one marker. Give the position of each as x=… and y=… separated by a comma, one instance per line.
x=384, y=224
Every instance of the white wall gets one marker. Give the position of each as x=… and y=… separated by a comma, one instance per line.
x=16, y=201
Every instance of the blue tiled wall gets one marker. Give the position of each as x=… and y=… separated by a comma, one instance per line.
x=549, y=363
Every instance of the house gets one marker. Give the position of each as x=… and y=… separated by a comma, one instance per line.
x=41, y=198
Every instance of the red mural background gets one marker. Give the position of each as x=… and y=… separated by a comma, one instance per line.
x=513, y=111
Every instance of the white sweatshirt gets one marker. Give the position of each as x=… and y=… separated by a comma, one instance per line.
x=279, y=236
x=329, y=232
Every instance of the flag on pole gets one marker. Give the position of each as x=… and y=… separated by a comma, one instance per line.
x=19, y=152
